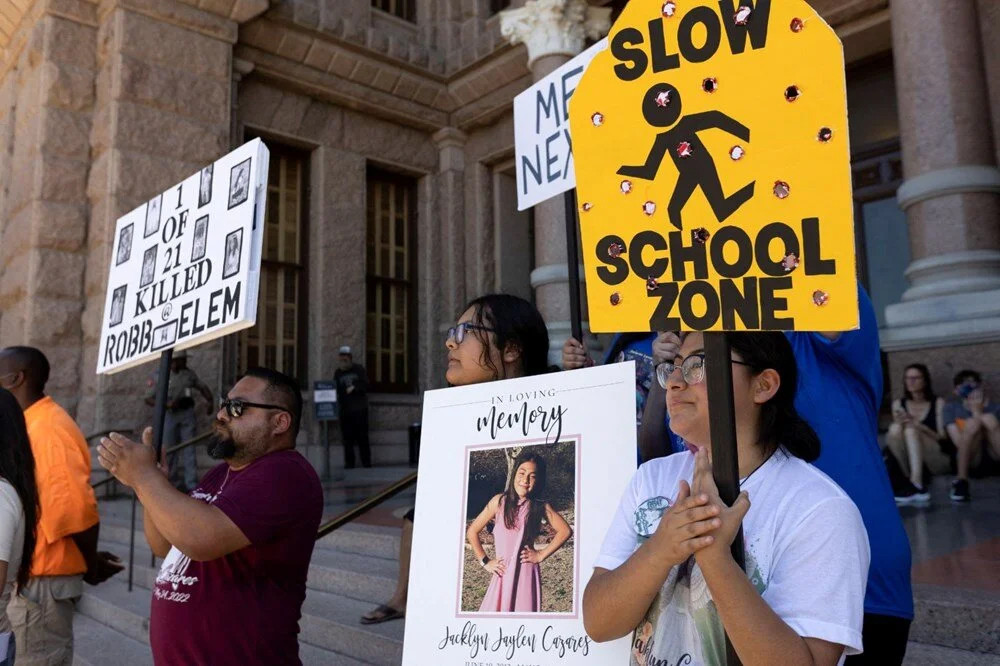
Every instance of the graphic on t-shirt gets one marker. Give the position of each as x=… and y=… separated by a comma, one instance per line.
x=647, y=516
x=682, y=625
x=173, y=572
x=172, y=576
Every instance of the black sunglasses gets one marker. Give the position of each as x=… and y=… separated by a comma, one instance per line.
x=236, y=406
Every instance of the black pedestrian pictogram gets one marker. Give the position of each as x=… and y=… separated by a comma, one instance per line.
x=661, y=107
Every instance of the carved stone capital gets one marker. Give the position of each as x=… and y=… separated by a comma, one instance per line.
x=554, y=27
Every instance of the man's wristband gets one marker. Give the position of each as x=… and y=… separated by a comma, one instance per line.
x=486, y=560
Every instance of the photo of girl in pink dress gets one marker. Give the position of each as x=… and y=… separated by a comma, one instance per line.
x=518, y=513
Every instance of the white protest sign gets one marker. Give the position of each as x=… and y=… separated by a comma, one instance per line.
x=185, y=266
x=575, y=433
x=542, y=142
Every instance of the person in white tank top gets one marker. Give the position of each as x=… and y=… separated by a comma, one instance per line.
x=18, y=512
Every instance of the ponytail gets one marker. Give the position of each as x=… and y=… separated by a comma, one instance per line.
x=780, y=423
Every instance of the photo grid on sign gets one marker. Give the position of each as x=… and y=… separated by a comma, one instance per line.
x=200, y=243
x=148, y=266
x=234, y=247
x=153, y=216
x=124, y=245
x=239, y=183
x=205, y=185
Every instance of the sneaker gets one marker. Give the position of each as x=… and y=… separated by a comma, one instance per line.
x=912, y=495
x=960, y=491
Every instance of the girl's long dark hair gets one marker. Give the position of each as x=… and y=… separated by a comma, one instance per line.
x=535, y=499
x=928, y=391
x=515, y=322
x=780, y=423
x=17, y=466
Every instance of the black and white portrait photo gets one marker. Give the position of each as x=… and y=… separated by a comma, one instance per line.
x=124, y=244
x=153, y=216
x=205, y=186
x=165, y=334
x=200, y=238
x=239, y=183
x=148, y=266
x=234, y=247
x=118, y=305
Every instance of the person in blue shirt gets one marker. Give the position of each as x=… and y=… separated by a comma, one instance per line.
x=647, y=350
x=839, y=393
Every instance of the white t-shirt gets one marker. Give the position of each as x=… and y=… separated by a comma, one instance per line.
x=11, y=544
x=806, y=553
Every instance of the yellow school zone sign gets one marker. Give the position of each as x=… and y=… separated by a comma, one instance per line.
x=713, y=170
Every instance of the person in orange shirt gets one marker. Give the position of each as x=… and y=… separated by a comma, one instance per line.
x=66, y=553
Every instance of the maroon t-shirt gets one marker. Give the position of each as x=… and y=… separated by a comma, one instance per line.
x=243, y=608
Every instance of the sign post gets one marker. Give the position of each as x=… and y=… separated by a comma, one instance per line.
x=714, y=182
x=185, y=269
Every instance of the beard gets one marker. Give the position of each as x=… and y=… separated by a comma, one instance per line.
x=221, y=447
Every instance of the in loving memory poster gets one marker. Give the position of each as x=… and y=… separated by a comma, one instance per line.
x=528, y=472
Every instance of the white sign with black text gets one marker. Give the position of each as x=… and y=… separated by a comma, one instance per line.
x=185, y=266
x=513, y=503
x=542, y=143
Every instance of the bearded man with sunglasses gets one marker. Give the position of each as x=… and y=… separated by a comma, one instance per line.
x=237, y=549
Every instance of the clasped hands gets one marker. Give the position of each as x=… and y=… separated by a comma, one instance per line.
x=699, y=523
x=128, y=461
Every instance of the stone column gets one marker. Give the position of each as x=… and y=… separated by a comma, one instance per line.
x=952, y=184
x=989, y=26
x=553, y=31
x=47, y=91
x=160, y=115
x=450, y=143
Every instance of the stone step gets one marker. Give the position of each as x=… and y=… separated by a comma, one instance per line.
x=329, y=623
x=956, y=618
x=922, y=654
x=112, y=605
x=96, y=644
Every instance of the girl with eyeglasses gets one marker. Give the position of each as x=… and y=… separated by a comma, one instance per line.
x=665, y=571
x=498, y=336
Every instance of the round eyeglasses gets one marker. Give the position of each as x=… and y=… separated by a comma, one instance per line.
x=692, y=370
x=457, y=333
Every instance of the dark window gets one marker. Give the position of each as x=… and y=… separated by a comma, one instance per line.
x=279, y=339
x=391, y=310
x=404, y=9
x=498, y=5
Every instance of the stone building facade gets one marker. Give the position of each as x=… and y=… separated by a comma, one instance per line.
x=392, y=198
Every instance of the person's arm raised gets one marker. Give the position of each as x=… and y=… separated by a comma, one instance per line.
x=200, y=531
x=575, y=355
